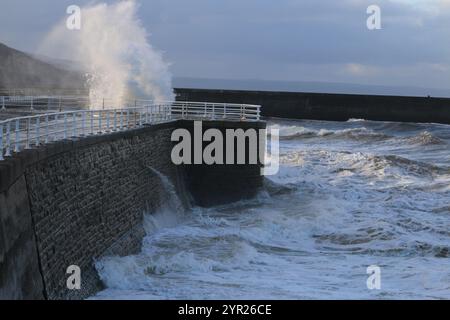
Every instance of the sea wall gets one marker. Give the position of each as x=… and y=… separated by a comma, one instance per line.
x=333, y=107
x=72, y=202
x=217, y=183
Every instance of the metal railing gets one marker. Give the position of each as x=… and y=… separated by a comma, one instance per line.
x=214, y=111
x=57, y=103
x=42, y=91
x=17, y=134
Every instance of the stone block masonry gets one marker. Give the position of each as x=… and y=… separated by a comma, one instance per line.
x=218, y=184
x=72, y=202
x=84, y=200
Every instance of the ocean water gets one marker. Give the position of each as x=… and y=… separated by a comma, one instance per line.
x=348, y=195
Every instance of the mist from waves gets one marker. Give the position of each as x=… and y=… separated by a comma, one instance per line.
x=113, y=48
x=348, y=195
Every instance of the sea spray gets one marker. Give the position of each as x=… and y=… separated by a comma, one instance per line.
x=171, y=211
x=112, y=47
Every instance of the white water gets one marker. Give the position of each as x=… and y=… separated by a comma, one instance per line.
x=112, y=46
x=348, y=195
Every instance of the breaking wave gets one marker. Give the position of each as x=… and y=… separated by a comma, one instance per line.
x=425, y=138
x=333, y=209
x=112, y=47
x=294, y=132
x=363, y=134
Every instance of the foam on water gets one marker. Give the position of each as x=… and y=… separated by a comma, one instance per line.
x=337, y=206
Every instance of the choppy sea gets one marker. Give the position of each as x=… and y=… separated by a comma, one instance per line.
x=348, y=195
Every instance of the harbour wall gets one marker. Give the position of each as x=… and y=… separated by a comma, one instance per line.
x=70, y=203
x=333, y=107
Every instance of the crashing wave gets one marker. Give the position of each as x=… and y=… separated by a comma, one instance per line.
x=425, y=138
x=295, y=132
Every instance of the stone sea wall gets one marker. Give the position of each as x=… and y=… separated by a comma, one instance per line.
x=72, y=202
x=333, y=107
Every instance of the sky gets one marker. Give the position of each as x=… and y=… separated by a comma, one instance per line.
x=289, y=40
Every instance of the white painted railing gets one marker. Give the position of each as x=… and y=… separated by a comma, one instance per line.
x=214, y=111
x=26, y=132
x=43, y=102
x=41, y=92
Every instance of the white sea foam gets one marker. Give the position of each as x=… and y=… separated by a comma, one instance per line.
x=340, y=207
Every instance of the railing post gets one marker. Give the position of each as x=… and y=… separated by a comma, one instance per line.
x=55, y=126
x=213, y=111
x=27, y=139
x=128, y=118
x=92, y=122
x=65, y=126
x=121, y=119
x=8, y=140
x=115, y=120
x=1, y=142
x=16, y=142
x=204, y=116
x=46, y=129
x=107, y=121
x=151, y=113
x=100, y=122
x=3, y=103
x=38, y=131
x=74, y=124
x=32, y=103
x=55, y=135
x=83, y=123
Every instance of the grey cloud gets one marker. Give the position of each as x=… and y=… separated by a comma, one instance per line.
x=268, y=39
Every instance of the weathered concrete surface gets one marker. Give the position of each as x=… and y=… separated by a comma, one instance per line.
x=72, y=202
x=334, y=107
